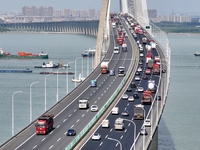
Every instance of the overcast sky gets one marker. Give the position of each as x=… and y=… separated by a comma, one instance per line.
x=162, y=6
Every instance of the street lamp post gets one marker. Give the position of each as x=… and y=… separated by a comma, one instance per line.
x=57, y=84
x=31, y=100
x=45, y=92
x=134, y=129
x=75, y=69
x=13, y=111
x=144, y=127
x=67, y=76
x=116, y=141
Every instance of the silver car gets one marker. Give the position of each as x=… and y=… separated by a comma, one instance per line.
x=130, y=98
x=137, y=78
x=124, y=96
x=140, y=89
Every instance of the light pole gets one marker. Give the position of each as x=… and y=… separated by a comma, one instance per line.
x=75, y=69
x=67, y=76
x=144, y=128
x=57, y=84
x=116, y=141
x=157, y=107
x=45, y=92
x=134, y=129
x=13, y=111
x=31, y=100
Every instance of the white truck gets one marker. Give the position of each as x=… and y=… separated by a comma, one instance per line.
x=151, y=86
x=113, y=24
x=104, y=67
x=119, y=124
x=105, y=123
x=124, y=47
x=121, y=71
x=83, y=103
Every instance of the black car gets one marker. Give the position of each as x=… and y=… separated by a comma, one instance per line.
x=71, y=132
x=129, y=89
x=135, y=94
x=145, y=77
x=137, y=73
x=133, y=85
x=140, y=62
x=158, y=98
x=163, y=70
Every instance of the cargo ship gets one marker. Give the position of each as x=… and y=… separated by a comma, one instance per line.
x=23, y=55
x=15, y=71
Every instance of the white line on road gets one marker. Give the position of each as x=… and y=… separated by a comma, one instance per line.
x=43, y=139
x=58, y=126
x=50, y=146
x=121, y=137
x=34, y=146
x=58, y=139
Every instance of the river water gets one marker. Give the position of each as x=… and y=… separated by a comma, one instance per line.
x=179, y=125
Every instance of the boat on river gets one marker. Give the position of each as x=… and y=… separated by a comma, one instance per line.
x=60, y=73
x=197, y=53
x=50, y=64
x=15, y=71
x=23, y=55
x=80, y=79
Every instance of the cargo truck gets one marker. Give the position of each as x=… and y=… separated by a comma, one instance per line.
x=44, y=124
x=124, y=47
x=151, y=86
x=157, y=59
x=144, y=40
x=83, y=103
x=156, y=69
x=104, y=67
x=138, y=111
x=105, y=123
x=119, y=124
x=146, y=98
x=150, y=63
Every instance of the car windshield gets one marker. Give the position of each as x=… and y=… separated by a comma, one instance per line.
x=70, y=130
x=94, y=106
x=96, y=134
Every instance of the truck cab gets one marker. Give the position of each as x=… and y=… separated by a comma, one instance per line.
x=121, y=71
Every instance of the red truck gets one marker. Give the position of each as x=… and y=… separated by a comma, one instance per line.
x=156, y=69
x=44, y=124
x=146, y=98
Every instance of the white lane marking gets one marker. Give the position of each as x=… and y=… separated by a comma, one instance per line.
x=72, y=126
x=106, y=136
x=100, y=143
x=129, y=124
x=83, y=115
x=34, y=146
x=58, y=126
x=65, y=133
x=99, y=97
x=50, y=146
x=51, y=132
x=121, y=137
x=104, y=91
x=111, y=129
x=116, y=144
x=101, y=94
x=58, y=139
x=95, y=102
x=78, y=120
x=75, y=110
x=64, y=120
x=125, y=130
x=107, y=88
x=70, y=115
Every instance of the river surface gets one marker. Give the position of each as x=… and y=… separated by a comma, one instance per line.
x=179, y=125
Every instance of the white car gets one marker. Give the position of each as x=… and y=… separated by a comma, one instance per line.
x=137, y=78
x=124, y=96
x=147, y=123
x=96, y=136
x=140, y=89
x=116, y=51
x=141, y=54
x=130, y=98
x=139, y=69
x=94, y=108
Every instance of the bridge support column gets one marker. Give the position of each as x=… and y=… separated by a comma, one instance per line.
x=100, y=35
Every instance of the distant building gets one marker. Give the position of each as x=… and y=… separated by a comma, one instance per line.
x=58, y=13
x=91, y=13
x=75, y=13
x=33, y=11
x=67, y=13
x=83, y=14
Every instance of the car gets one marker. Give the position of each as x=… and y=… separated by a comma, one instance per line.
x=143, y=131
x=147, y=122
x=130, y=98
x=141, y=54
x=145, y=77
x=71, y=132
x=163, y=70
x=94, y=108
x=158, y=97
x=116, y=51
x=129, y=89
x=112, y=72
x=124, y=96
x=140, y=89
x=137, y=73
x=137, y=78
x=136, y=95
x=139, y=69
x=125, y=113
x=93, y=83
x=141, y=49
x=96, y=136
x=140, y=62
x=133, y=85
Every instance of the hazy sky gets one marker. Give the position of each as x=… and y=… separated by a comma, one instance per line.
x=162, y=6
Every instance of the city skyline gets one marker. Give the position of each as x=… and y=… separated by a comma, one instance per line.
x=162, y=6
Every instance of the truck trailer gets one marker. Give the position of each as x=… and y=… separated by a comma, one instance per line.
x=119, y=124
x=138, y=111
x=156, y=69
x=146, y=98
x=44, y=124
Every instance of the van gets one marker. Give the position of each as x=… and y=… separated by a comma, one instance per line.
x=105, y=123
x=115, y=110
